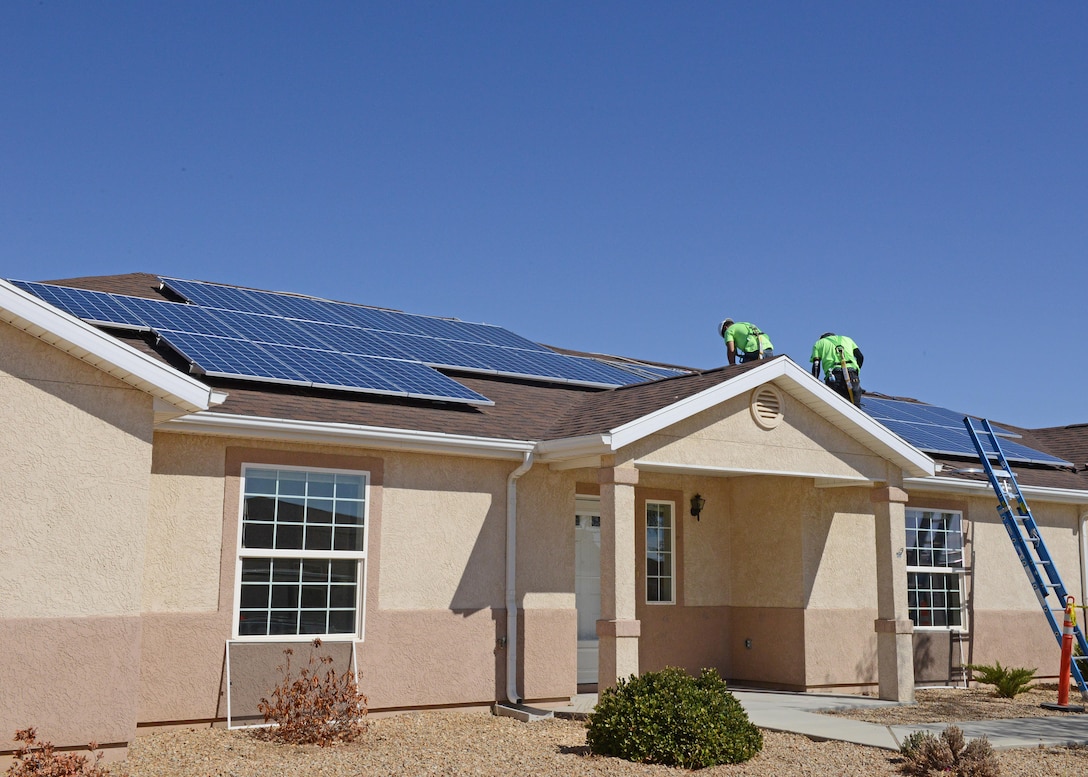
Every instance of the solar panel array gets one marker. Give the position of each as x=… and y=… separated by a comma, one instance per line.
x=939, y=430
x=231, y=332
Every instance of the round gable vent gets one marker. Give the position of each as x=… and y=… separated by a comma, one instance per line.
x=766, y=406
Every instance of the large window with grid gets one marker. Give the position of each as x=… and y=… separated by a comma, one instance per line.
x=935, y=569
x=302, y=553
x=660, y=553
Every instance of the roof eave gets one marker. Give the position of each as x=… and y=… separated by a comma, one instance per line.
x=180, y=393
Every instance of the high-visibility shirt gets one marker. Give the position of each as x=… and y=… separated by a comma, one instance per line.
x=827, y=352
x=744, y=336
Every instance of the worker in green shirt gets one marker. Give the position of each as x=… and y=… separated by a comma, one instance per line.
x=745, y=340
x=840, y=359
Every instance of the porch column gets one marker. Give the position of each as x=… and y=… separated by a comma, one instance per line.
x=618, y=630
x=894, y=630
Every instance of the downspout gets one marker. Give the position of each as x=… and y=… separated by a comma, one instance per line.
x=1084, y=564
x=511, y=578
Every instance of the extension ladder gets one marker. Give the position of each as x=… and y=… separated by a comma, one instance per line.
x=1025, y=536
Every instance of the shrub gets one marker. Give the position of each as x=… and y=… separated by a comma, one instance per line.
x=1007, y=681
x=671, y=718
x=38, y=759
x=308, y=709
x=926, y=754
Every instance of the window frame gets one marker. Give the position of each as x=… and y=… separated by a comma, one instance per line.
x=959, y=572
x=360, y=557
x=672, y=553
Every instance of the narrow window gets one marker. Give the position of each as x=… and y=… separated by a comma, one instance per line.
x=302, y=553
x=660, y=555
x=935, y=569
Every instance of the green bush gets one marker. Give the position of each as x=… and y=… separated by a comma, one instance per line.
x=671, y=718
x=925, y=755
x=1008, y=681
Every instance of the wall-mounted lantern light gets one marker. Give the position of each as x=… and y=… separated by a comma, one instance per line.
x=697, y=504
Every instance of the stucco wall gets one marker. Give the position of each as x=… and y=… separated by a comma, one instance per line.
x=75, y=458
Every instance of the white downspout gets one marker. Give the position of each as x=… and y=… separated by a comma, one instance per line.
x=511, y=578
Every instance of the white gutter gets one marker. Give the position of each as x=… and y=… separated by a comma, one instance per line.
x=348, y=434
x=978, y=487
x=511, y=578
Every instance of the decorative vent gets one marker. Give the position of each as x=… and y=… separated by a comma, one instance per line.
x=766, y=406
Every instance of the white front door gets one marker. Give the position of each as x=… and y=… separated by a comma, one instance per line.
x=587, y=584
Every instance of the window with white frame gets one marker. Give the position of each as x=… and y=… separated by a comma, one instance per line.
x=302, y=552
x=660, y=554
x=935, y=568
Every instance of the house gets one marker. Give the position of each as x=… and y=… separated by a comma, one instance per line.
x=466, y=517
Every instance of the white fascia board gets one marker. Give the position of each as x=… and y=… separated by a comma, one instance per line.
x=801, y=385
x=980, y=488
x=286, y=429
x=89, y=344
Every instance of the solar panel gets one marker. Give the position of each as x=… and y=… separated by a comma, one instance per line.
x=95, y=307
x=939, y=430
x=226, y=331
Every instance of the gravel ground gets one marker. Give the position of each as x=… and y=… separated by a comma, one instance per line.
x=477, y=743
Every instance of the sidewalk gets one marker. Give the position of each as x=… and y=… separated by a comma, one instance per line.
x=798, y=713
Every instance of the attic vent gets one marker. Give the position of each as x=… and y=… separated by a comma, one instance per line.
x=766, y=406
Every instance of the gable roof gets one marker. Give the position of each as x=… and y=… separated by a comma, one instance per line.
x=180, y=393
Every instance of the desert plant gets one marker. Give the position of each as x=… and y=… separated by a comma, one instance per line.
x=950, y=754
x=39, y=759
x=1007, y=681
x=310, y=709
x=672, y=718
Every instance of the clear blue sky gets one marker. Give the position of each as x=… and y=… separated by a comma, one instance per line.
x=615, y=177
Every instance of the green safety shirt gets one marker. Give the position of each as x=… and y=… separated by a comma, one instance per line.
x=744, y=336
x=826, y=351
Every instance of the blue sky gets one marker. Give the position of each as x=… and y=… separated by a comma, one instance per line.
x=614, y=177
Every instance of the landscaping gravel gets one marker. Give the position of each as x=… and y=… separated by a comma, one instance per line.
x=477, y=743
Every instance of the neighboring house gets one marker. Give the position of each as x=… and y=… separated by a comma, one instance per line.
x=471, y=533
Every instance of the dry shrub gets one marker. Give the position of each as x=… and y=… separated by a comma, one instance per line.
x=39, y=759
x=950, y=754
x=309, y=708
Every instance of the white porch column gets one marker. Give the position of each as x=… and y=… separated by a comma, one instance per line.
x=894, y=630
x=618, y=630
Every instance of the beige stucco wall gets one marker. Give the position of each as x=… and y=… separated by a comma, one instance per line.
x=75, y=458
x=727, y=436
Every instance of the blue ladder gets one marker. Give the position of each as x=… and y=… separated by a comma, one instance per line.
x=1025, y=536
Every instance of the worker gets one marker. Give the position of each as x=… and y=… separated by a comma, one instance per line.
x=745, y=341
x=840, y=359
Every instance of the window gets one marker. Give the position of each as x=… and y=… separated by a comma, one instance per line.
x=659, y=553
x=302, y=553
x=935, y=570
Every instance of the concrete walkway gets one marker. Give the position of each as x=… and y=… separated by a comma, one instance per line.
x=799, y=713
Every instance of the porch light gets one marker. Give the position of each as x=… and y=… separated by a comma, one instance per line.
x=697, y=503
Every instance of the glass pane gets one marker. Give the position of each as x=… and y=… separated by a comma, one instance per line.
x=652, y=590
x=260, y=481
x=252, y=623
x=292, y=483
x=285, y=596
x=342, y=596
x=289, y=536
x=315, y=571
x=349, y=487
x=283, y=622
x=319, y=511
x=253, y=596
x=348, y=538
x=320, y=484
x=260, y=508
x=313, y=622
x=257, y=535
x=349, y=512
x=666, y=590
x=343, y=571
x=285, y=570
x=315, y=596
x=318, y=538
x=290, y=511
x=342, y=622
x=255, y=570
